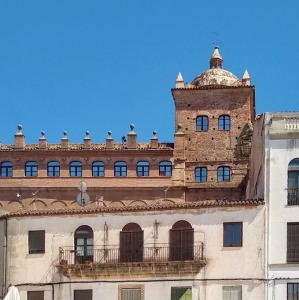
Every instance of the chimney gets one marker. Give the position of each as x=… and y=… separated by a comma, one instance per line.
x=42, y=141
x=132, y=138
x=109, y=140
x=154, y=141
x=20, y=138
x=87, y=140
x=65, y=140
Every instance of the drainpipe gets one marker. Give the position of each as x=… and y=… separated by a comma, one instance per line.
x=4, y=258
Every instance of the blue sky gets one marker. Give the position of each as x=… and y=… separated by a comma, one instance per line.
x=100, y=65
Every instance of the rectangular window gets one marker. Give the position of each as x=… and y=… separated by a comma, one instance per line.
x=293, y=291
x=232, y=292
x=232, y=234
x=293, y=242
x=35, y=295
x=36, y=241
x=201, y=174
x=181, y=293
x=130, y=294
x=82, y=294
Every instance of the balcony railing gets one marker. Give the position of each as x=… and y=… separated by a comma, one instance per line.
x=293, y=196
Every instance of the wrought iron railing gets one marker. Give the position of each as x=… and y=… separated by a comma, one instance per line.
x=114, y=255
x=293, y=196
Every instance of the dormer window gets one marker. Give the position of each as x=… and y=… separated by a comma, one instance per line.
x=202, y=123
x=224, y=123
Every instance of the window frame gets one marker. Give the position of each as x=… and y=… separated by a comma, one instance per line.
x=224, y=122
x=202, y=127
x=42, y=249
x=200, y=176
x=53, y=168
x=143, y=170
x=82, y=290
x=121, y=169
x=35, y=292
x=130, y=286
x=239, y=287
x=98, y=164
x=231, y=244
x=174, y=289
x=75, y=170
x=290, y=239
x=223, y=176
x=31, y=168
x=8, y=169
x=292, y=284
x=165, y=167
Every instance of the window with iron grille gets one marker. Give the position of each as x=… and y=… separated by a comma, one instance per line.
x=200, y=174
x=223, y=173
x=142, y=168
x=293, y=291
x=82, y=294
x=35, y=295
x=181, y=293
x=76, y=169
x=31, y=169
x=53, y=169
x=98, y=169
x=131, y=293
x=224, y=123
x=293, y=242
x=120, y=169
x=232, y=234
x=293, y=182
x=232, y=292
x=6, y=169
x=165, y=168
x=202, y=123
x=36, y=241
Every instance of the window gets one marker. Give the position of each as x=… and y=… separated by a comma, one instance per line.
x=181, y=293
x=35, y=295
x=131, y=293
x=6, y=169
x=232, y=292
x=36, y=241
x=120, y=169
x=76, y=169
x=232, y=234
x=293, y=182
x=98, y=169
x=223, y=173
x=293, y=291
x=293, y=242
x=84, y=245
x=165, y=168
x=224, y=123
x=202, y=123
x=142, y=168
x=82, y=294
x=31, y=169
x=201, y=174
x=54, y=169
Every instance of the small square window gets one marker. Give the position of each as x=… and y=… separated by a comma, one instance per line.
x=35, y=295
x=181, y=293
x=232, y=234
x=232, y=292
x=131, y=292
x=36, y=241
x=82, y=294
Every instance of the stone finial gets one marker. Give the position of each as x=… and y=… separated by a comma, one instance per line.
x=87, y=139
x=216, y=59
x=154, y=140
x=65, y=140
x=246, y=78
x=42, y=140
x=109, y=140
x=20, y=137
x=132, y=138
x=179, y=83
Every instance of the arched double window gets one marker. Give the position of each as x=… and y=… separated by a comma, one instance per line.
x=223, y=173
x=142, y=168
x=53, y=169
x=293, y=182
x=181, y=241
x=98, y=169
x=31, y=169
x=202, y=123
x=120, y=169
x=224, y=123
x=131, y=243
x=83, y=245
x=6, y=168
x=76, y=169
x=201, y=174
x=165, y=168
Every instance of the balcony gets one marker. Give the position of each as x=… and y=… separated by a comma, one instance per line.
x=293, y=196
x=111, y=261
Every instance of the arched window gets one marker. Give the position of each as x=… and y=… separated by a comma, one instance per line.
x=181, y=241
x=224, y=123
x=98, y=169
x=131, y=243
x=165, y=168
x=31, y=169
x=6, y=169
x=142, y=168
x=76, y=169
x=200, y=174
x=293, y=182
x=120, y=169
x=53, y=169
x=223, y=173
x=202, y=123
x=83, y=245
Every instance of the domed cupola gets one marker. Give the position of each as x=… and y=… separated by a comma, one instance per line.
x=216, y=75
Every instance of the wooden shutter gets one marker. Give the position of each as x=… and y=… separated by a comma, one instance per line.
x=130, y=294
x=131, y=246
x=83, y=295
x=181, y=244
x=35, y=295
x=293, y=242
x=36, y=241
